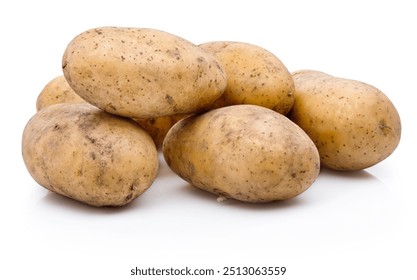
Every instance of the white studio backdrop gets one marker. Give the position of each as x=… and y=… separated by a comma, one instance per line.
x=349, y=225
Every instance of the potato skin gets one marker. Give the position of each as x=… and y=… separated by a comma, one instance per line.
x=57, y=91
x=142, y=72
x=245, y=152
x=254, y=76
x=86, y=154
x=159, y=127
x=353, y=124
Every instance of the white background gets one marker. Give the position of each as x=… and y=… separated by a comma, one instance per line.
x=355, y=225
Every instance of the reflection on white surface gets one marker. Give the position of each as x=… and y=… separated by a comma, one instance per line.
x=347, y=211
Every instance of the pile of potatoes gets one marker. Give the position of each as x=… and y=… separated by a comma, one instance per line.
x=228, y=117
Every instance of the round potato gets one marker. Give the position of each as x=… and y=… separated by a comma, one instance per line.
x=86, y=154
x=246, y=152
x=254, y=76
x=57, y=91
x=142, y=72
x=353, y=124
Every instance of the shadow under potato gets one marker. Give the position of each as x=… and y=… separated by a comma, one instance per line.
x=196, y=193
x=354, y=175
x=326, y=185
x=57, y=200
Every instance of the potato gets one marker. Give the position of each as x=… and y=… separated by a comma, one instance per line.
x=142, y=72
x=254, y=76
x=245, y=152
x=156, y=127
x=57, y=91
x=86, y=154
x=353, y=124
x=159, y=127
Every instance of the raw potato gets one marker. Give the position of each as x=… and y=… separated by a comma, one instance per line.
x=156, y=127
x=142, y=73
x=255, y=76
x=159, y=127
x=245, y=152
x=84, y=153
x=353, y=124
x=57, y=91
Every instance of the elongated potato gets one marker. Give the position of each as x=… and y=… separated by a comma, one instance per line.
x=142, y=72
x=254, y=76
x=58, y=91
x=353, y=124
x=245, y=152
x=86, y=154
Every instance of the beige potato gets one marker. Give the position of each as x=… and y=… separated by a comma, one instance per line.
x=142, y=72
x=254, y=76
x=159, y=127
x=55, y=92
x=353, y=124
x=58, y=91
x=86, y=154
x=246, y=152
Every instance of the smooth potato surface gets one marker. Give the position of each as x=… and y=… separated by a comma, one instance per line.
x=84, y=153
x=353, y=124
x=245, y=152
x=159, y=127
x=57, y=91
x=142, y=72
x=254, y=76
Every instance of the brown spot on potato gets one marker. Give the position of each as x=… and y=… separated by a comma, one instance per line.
x=169, y=99
x=200, y=59
x=384, y=127
x=128, y=197
x=93, y=155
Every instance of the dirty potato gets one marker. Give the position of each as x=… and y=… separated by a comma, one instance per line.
x=142, y=72
x=86, y=154
x=353, y=124
x=254, y=76
x=245, y=152
x=58, y=91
